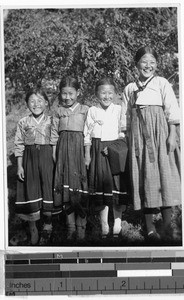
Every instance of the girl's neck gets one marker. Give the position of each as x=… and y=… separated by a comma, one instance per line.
x=72, y=106
x=104, y=107
x=143, y=80
x=38, y=117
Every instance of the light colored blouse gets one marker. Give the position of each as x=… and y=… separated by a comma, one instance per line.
x=103, y=124
x=69, y=119
x=157, y=92
x=30, y=132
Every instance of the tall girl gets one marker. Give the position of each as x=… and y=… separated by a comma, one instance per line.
x=35, y=163
x=102, y=129
x=152, y=116
x=70, y=184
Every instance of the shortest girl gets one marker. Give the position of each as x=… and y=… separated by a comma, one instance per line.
x=103, y=131
x=35, y=164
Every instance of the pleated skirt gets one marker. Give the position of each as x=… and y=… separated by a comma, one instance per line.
x=70, y=182
x=35, y=193
x=105, y=188
x=156, y=181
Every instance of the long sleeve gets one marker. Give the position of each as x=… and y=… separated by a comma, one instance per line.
x=54, y=131
x=126, y=108
x=88, y=127
x=19, y=140
x=170, y=103
x=123, y=121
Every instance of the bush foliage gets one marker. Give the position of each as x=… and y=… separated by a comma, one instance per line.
x=42, y=45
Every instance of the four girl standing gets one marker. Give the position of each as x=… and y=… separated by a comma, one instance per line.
x=149, y=113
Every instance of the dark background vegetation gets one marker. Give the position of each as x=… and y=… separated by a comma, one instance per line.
x=43, y=45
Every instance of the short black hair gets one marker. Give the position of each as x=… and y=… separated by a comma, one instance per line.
x=36, y=90
x=70, y=82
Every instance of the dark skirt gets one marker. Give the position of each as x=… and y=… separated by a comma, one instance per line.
x=105, y=188
x=36, y=191
x=70, y=183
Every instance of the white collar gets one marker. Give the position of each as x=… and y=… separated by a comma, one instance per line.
x=109, y=107
x=74, y=107
x=145, y=82
x=38, y=122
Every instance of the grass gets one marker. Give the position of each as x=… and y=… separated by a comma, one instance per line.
x=133, y=226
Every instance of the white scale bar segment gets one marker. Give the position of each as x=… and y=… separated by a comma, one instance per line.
x=177, y=266
x=143, y=273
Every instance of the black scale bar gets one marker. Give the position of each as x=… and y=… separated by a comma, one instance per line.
x=65, y=274
x=92, y=260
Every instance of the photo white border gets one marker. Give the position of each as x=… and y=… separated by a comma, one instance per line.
x=3, y=227
x=3, y=175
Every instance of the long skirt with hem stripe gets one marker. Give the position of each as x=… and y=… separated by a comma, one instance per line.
x=35, y=193
x=105, y=188
x=70, y=183
x=156, y=183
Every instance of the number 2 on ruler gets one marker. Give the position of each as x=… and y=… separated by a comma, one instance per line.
x=123, y=283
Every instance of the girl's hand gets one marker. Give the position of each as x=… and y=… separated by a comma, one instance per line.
x=54, y=158
x=105, y=151
x=54, y=153
x=20, y=173
x=171, y=143
x=87, y=161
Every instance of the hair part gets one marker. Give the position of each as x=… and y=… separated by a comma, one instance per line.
x=145, y=50
x=35, y=91
x=69, y=81
x=105, y=81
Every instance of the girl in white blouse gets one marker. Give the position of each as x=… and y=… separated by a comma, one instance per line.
x=102, y=129
x=152, y=114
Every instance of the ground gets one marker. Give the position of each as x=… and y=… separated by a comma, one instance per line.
x=133, y=226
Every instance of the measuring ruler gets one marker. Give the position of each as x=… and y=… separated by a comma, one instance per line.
x=95, y=272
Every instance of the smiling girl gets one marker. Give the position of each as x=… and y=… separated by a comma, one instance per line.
x=152, y=114
x=35, y=163
x=70, y=184
x=103, y=129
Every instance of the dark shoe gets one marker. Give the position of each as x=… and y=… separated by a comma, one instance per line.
x=117, y=235
x=34, y=236
x=153, y=237
x=81, y=230
x=45, y=234
x=168, y=234
x=71, y=233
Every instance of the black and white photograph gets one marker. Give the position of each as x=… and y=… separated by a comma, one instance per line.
x=93, y=137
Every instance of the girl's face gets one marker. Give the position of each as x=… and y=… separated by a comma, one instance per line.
x=69, y=96
x=37, y=104
x=105, y=94
x=147, y=66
